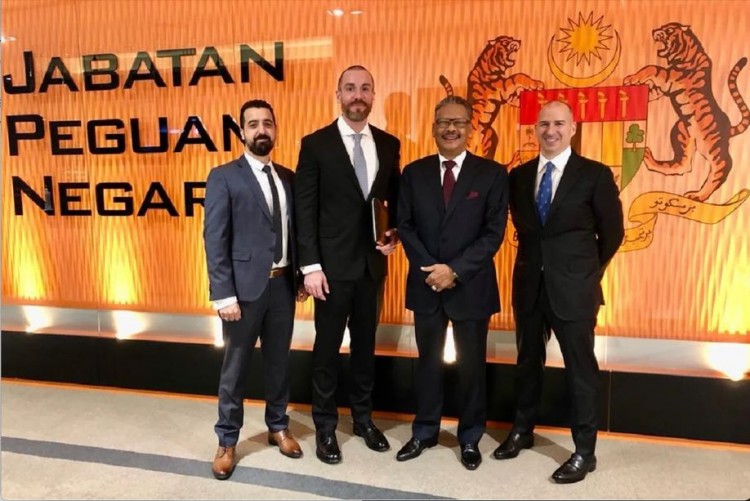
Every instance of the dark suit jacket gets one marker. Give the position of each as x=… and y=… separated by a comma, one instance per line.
x=334, y=221
x=238, y=230
x=584, y=229
x=465, y=235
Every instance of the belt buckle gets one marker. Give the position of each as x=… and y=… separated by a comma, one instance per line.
x=276, y=272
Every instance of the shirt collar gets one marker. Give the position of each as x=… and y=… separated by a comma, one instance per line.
x=459, y=159
x=346, y=131
x=255, y=163
x=560, y=161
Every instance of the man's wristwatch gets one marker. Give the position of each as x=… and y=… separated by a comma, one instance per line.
x=455, y=276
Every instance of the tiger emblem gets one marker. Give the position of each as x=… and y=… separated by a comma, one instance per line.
x=488, y=88
x=701, y=126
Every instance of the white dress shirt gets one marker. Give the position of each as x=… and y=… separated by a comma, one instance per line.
x=368, y=148
x=257, y=169
x=371, y=157
x=456, y=169
x=559, y=162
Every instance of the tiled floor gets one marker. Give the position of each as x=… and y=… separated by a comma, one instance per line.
x=67, y=442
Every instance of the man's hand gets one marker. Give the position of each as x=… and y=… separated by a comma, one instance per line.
x=440, y=277
x=390, y=244
x=230, y=313
x=316, y=285
x=302, y=294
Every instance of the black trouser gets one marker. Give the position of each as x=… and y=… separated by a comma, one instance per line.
x=470, y=338
x=270, y=318
x=581, y=370
x=355, y=304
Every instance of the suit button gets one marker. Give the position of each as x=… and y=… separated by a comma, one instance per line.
x=271, y=249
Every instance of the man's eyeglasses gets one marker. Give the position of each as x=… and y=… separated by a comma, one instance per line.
x=444, y=123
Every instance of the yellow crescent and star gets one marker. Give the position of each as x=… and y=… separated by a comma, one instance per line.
x=583, y=40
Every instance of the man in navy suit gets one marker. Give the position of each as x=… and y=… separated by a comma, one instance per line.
x=452, y=213
x=249, y=240
x=568, y=216
x=341, y=168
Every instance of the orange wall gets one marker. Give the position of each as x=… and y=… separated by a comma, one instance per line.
x=685, y=273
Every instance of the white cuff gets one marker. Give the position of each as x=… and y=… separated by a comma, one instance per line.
x=223, y=303
x=306, y=270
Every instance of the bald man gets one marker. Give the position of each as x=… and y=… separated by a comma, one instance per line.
x=568, y=216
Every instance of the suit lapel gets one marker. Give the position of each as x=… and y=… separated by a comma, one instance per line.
x=528, y=186
x=285, y=181
x=380, y=149
x=573, y=170
x=463, y=183
x=246, y=174
x=432, y=183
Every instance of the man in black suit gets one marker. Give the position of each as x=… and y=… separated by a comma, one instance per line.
x=452, y=214
x=249, y=240
x=341, y=168
x=568, y=216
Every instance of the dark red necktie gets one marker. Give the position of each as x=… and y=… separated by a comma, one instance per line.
x=449, y=180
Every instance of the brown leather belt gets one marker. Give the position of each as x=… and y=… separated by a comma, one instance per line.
x=277, y=272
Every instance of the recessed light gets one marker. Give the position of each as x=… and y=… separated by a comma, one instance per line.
x=356, y=12
x=336, y=12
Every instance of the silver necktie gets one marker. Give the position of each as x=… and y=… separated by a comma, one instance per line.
x=360, y=164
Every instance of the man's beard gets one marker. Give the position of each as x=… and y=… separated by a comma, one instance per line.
x=357, y=116
x=261, y=145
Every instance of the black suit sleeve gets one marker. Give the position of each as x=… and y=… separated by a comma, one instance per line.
x=217, y=225
x=415, y=250
x=608, y=215
x=394, y=184
x=307, y=200
x=484, y=248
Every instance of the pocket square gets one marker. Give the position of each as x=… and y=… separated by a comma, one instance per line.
x=472, y=195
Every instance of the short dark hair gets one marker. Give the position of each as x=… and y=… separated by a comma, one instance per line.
x=355, y=67
x=255, y=103
x=454, y=100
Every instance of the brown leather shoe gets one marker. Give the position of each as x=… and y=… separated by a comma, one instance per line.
x=286, y=443
x=224, y=463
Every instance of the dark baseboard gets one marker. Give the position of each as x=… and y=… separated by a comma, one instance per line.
x=699, y=408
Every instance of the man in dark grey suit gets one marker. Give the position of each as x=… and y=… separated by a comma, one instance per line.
x=249, y=239
x=568, y=217
x=341, y=168
x=452, y=213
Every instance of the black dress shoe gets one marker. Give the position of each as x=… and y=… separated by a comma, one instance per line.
x=414, y=448
x=374, y=438
x=327, y=447
x=470, y=456
x=574, y=469
x=513, y=444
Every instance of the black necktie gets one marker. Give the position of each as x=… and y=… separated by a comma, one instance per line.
x=276, y=215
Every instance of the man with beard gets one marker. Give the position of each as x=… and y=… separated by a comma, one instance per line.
x=568, y=218
x=341, y=168
x=249, y=241
x=452, y=213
